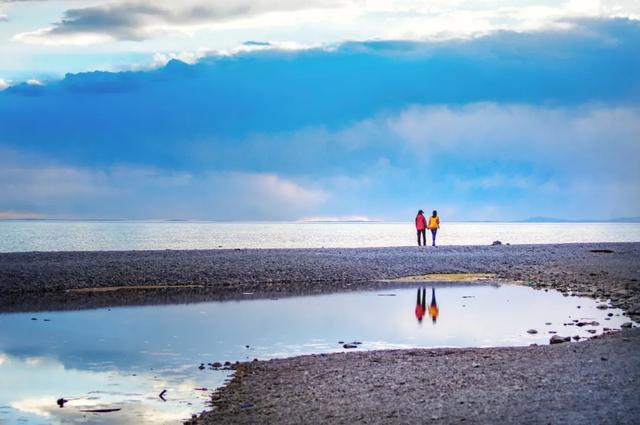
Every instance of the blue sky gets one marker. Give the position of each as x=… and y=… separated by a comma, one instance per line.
x=283, y=110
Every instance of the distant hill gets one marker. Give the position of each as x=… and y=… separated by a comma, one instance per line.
x=563, y=220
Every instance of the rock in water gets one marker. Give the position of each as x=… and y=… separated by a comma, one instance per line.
x=556, y=339
x=626, y=325
x=494, y=243
x=532, y=331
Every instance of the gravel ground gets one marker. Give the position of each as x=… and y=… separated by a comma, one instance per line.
x=40, y=280
x=592, y=382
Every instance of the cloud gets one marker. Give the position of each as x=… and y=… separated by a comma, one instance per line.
x=4, y=84
x=190, y=114
x=570, y=161
x=137, y=20
x=520, y=121
x=192, y=57
x=57, y=190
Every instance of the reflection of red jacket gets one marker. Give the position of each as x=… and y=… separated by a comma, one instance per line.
x=421, y=222
x=419, y=312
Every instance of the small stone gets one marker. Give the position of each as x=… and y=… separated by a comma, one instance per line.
x=495, y=243
x=602, y=306
x=227, y=363
x=532, y=331
x=609, y=314
x=216, y=364
x=349, y=346
x=626, y=325
x=591, y=331
x=548, y=323
x=553, y=332
x=577, y=338
x=33, y=318
x=594, y=323
x=604, y=359
x=201, y=367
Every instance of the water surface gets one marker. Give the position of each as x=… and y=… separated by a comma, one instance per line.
x=124, y=357
x=139, y=235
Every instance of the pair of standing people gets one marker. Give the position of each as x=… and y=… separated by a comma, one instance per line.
x=433, y=224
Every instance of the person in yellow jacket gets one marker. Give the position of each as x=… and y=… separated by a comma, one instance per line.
x=433, y=225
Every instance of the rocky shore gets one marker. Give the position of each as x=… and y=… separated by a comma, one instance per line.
x=34, y=281
x=590, y=382
x=594, y=381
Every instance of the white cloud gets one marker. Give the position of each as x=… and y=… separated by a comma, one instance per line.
x=4, y=84
x=34, y=82
x=161, y=58
x=135, y=192
x=139, y=20
x=575, y=138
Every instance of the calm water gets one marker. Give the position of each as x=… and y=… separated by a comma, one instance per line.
x=123, y=235
x=124, y=357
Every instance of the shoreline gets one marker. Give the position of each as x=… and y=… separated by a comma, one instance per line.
x=583, y=382
x=37, y=281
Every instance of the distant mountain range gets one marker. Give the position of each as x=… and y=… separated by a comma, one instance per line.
x=562, y=220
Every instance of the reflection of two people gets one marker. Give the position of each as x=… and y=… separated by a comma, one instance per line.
x=421, y=305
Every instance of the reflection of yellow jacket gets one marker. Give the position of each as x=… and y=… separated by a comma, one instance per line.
x=433, y=312
x=434, y=222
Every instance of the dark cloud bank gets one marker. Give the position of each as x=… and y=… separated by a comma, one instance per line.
x=319, y=113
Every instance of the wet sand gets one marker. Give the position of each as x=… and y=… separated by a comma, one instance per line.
x=594, y=381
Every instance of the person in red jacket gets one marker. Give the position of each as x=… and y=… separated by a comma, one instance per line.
x=421, y=226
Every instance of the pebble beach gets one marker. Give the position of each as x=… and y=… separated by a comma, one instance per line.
x=593, y=381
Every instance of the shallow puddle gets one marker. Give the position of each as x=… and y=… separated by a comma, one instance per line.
x=123, y=358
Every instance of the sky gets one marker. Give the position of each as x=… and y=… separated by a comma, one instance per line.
x=308, y=109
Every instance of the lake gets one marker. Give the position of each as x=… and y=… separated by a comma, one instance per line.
x=30, y=235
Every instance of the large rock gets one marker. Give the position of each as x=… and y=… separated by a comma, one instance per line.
x=557, y=339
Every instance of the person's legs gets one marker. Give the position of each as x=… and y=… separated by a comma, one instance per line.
x=433, y=236
x=418, y=233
